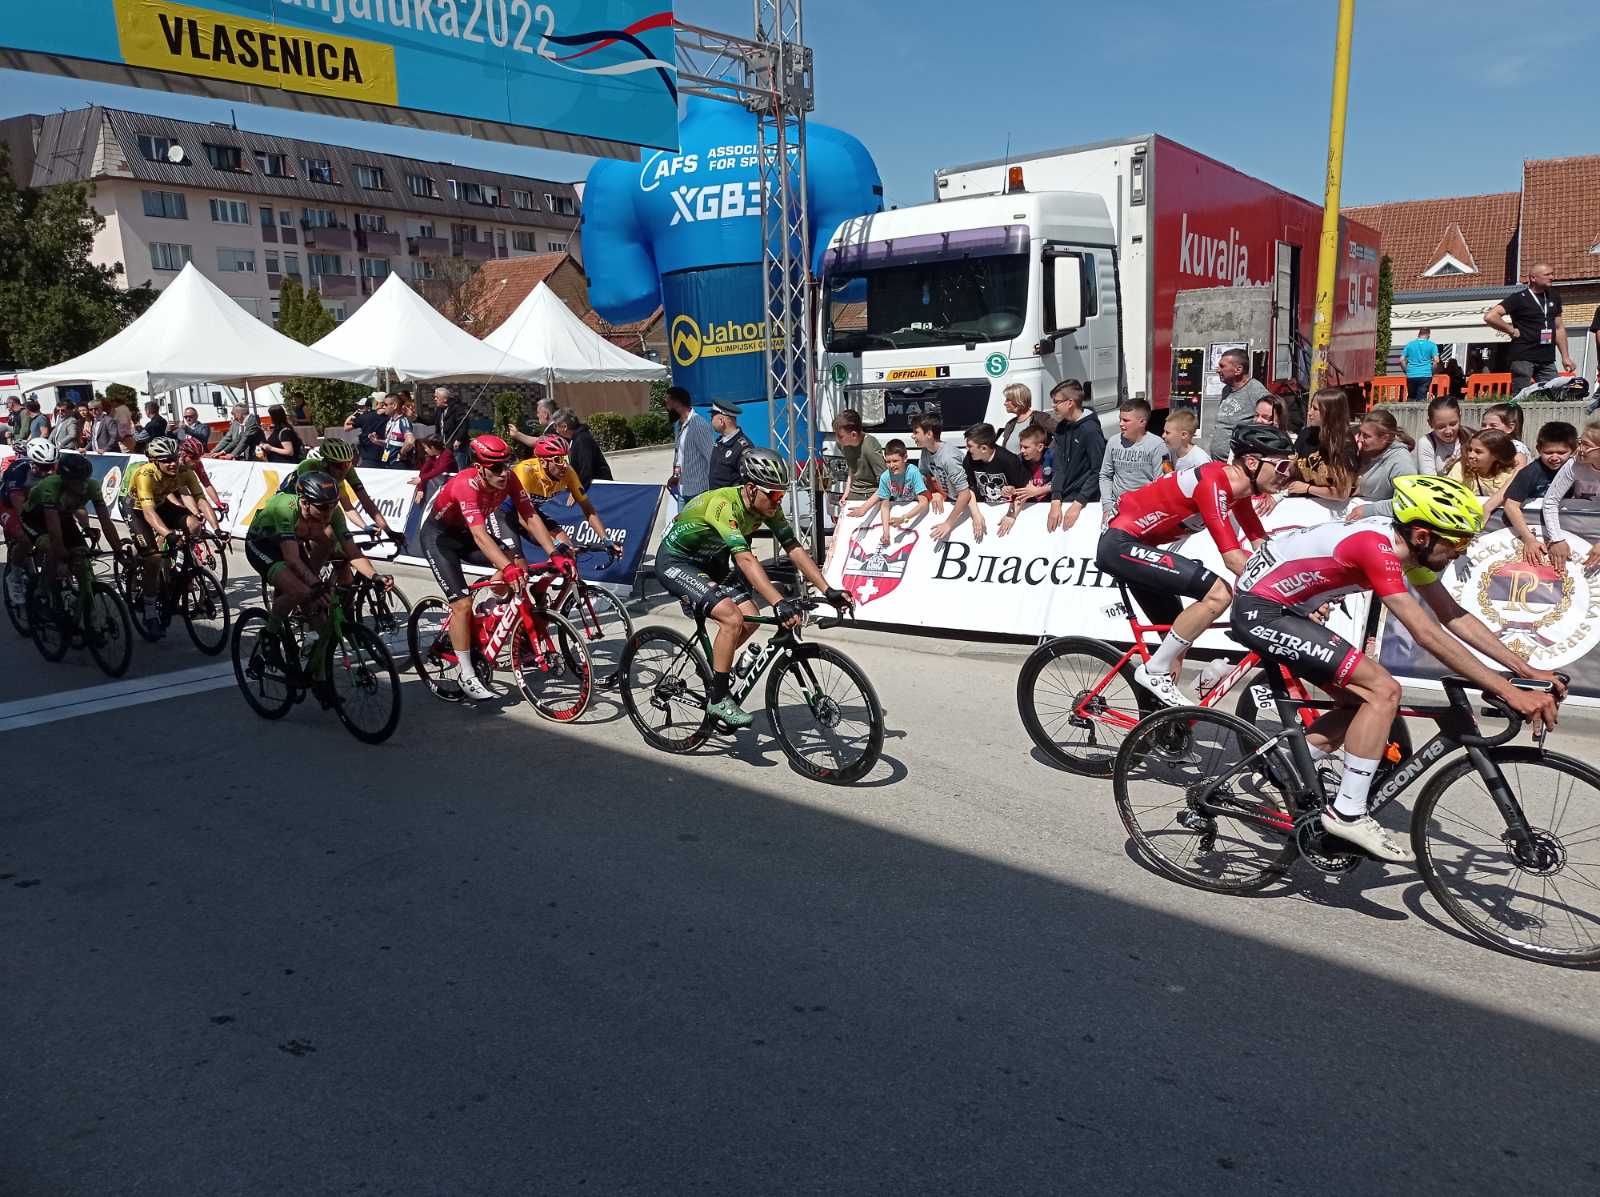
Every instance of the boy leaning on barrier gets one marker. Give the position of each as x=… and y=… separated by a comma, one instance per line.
x=900, y=483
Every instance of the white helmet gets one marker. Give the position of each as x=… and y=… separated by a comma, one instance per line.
x=42, y=452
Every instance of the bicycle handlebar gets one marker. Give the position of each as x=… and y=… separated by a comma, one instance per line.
x=1457, y=687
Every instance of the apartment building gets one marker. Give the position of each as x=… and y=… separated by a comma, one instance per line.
x=252, y=209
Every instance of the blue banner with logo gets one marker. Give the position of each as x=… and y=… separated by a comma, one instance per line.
x=627, y=509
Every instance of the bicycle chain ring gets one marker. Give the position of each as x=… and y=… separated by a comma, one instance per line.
x=1544, y=856
x=1313, y=844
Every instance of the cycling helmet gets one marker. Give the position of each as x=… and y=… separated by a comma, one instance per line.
x=551, y=445
x=318, y=488
x=190, y=448
x=1264, y=440
x=75, y=467
x=163, y=448
x=42, y=452
x=765, y=469
x=490, y=450
x=1439, y=503
x=335, y=450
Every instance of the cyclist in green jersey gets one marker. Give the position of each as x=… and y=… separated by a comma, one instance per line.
x=51, y=513
x=705, y=560
x=293, y=535
x=337, y=458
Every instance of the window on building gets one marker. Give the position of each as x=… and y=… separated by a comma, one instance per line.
x=225, y=211
x=164, y=255
x=455, y=188
x=562, y=205
x=224, y=157
x=270, y=262
x=472, y=193
x=422, y=185
x=494, y=196
x=169, y=205
x=524, y=242
x=374, y=268
x=317, y=170
x=336, y=310
x=422, y=269
x=500, y=241
x=274, y=166
x=523, y=200
x=425, y=230
x=371, y=177
x=463, y=232
x=155, y=149
x=285, y=217
x=319, y=218
x=236, y=261
x=320, y=264
x=291, y=264
x=555, y=247
x=372, y=222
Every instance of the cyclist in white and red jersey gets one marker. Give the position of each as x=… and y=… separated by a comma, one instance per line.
x=465, y=523
x=1210, y=496
x=1296, y=572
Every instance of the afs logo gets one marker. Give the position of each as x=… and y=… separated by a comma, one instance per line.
x=872, y=571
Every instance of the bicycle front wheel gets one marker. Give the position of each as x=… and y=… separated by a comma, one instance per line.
x=386, y=612
x=108, y=630
x=133, y=595
x=260, y=668
x=606, y=627
x=48, y=624
x=826, y=714
x=360, y=675
x=1539, y=900
x=1203, y=805
x=1077, y=705
x=205, y=610
x=552, y=668
x=212, y=556
x=664, y=686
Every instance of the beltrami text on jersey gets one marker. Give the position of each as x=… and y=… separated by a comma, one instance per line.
x=199, y=41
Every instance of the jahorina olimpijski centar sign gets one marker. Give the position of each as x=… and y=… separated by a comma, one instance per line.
x=592, y=76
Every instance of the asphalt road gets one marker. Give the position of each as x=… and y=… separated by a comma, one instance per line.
x=497, y=956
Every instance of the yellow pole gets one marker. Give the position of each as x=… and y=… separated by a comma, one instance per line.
x=1328, y=258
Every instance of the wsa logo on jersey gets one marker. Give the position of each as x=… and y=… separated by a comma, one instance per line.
x=871, y=570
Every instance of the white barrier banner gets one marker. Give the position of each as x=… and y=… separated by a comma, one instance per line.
x=1030, y=582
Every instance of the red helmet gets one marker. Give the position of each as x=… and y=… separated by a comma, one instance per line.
x=190, y=448
x=490, y=450
x=550, y=445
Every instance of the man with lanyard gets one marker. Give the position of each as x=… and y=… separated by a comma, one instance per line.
x=466, y=525
x=293, y=535
x=705, y=561
x=1297, y=572
x=37, y=460
x=337, y=458
x=397, y=436
x=1531, y=317
x=731, y=444
x=192, y=451
x=50, y=516
x=161, y=498
x=546, y=474
x=1132, y=548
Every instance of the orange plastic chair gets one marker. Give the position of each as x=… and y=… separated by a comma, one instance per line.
x=1488, y=386
x=1439, y=387
x=1389, y=388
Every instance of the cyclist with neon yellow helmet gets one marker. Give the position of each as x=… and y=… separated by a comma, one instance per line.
x=1296, y=572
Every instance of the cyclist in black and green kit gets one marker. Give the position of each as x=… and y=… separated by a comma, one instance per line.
x=710, y=537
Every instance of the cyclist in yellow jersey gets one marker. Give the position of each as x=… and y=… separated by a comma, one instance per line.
x=546, y=474
x=163, y=497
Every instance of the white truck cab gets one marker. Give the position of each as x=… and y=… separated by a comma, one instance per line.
x=942, y=306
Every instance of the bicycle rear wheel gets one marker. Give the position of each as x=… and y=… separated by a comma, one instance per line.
x=49, y=625
x=260, y=668
x=826, y=714
x=205, y=610
x=360, y=675
x=1077, y=705
x=386, y=612
x=108, y=630
x=1540, y=901
x=664, y=686
x=1203, y=806
x=606, y=627
x=17, y=604
x=552, y=668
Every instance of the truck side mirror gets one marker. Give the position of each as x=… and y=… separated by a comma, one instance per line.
x=1066, y=274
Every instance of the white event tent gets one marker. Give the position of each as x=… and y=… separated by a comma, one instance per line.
x=544, y=331
x=194, y=333
x=399, y=331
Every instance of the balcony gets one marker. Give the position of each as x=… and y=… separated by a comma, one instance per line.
x=429, y=247
x=336, y=286
x=474, y=251
x=381, y=244
x=329, y=237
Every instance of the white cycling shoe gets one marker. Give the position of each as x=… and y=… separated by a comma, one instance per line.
x=472, y=687
x=1162, y=686
x=1369, y=835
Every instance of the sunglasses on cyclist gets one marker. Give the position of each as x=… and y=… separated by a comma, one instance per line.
x=1281, y=466
x=502, y=468
x=1455, y=542
x=777, y=496
x=319, y=508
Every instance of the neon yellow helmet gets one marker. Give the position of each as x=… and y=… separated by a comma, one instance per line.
x=332, y=449
x=1439, y=503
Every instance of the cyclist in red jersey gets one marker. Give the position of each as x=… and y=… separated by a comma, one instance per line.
x=1170, y=508
x=465, y=524
x=192, y=453
x=1296, y=572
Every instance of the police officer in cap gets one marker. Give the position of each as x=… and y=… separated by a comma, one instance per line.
x=730, y=446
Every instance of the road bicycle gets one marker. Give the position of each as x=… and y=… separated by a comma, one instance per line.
x=346, y=667
x=596, y=612
x=1507, y=839
x=1078, y=699
x=824, y=711
x=187, y=589
x=382, y=609
x=512, y=629
x=84, y=612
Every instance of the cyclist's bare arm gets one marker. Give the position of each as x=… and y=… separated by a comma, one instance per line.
x=592, y=518
x=370, y=506
x=57, y=543
x=1431, y=636
x=1472, y=631
x=489, y=547
x=808, y=568
x=298, y=564
x=540, y=531
x=357, y=560
x=103, y=514
x=757, y=576
x=1235, y=560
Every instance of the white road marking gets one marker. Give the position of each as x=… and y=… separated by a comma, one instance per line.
x=69, y=704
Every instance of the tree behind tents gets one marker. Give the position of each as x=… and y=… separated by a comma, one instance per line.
x=54, y=302
x=302, y=316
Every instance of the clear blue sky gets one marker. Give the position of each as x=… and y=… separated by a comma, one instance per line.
x=1446, y=98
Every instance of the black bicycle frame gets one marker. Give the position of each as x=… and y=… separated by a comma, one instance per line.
x=745, y=684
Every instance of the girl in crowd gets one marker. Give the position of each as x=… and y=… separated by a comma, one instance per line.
x=1487, y=465
x=1384, y=455
x=283, y=445
x=1507, y=418
x=1440, y=445
x=434, y=463
x=1325, y=453
x=1270, y=410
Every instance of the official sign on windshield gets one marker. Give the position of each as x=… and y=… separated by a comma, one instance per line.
x=588, y=76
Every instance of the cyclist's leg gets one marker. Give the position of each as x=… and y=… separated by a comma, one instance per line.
x=144, y=540
x=1157, y=578
x=445, y=550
